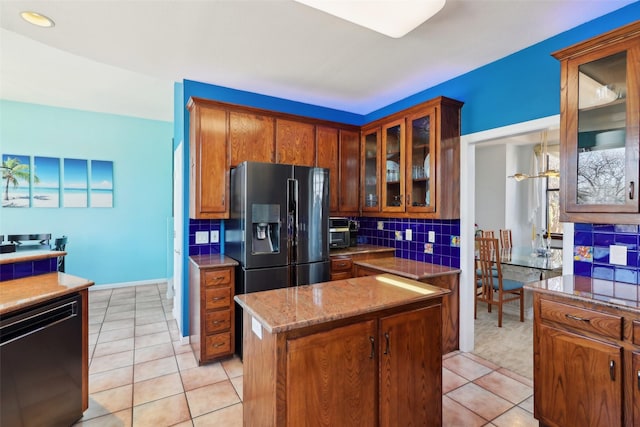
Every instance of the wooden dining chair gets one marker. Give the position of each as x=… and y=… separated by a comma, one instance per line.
x=505, y=239
x=488, y=233
x=493, y=288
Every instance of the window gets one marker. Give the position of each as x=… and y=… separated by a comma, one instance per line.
x=553, y=195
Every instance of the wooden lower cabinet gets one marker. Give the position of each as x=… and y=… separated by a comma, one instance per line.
x=381, y=370
x=212, y=318
x=586, y=365
x=341, y=267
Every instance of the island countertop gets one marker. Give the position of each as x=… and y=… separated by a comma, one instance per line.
x=290, y=308
x=411, y=269
x=29, y=255
x=21, y=293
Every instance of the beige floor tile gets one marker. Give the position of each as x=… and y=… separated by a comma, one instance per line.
x=517, y=377
x=516, y=417
x=117, y=324
x=98, y=304
x=120, y=315
x=109, y=401
x=110, y=379
x=156, y=388
x=148, y=303
x=456, y=415
x=164, y=412
x=527, y=405
x=93, y=338
x=116, y=334
x=232, y=366
x=117, y=419
x=480, y=401
x=95, y=318
x=228, y=417
x=186, y=361
x=95, y=328
x=181, y=347
x=151, y=328
x=237, y=384
x=203, y=375
x=152, y=339
x=187, y=423
x=129, y=306
x=505, y=387
x=103, y=349
x=154, y=368
x=112, y=361
x=212, y=397
x=451, y=381
x=153, y=352
x=465, y=367
x=481, y=361
x=151, y=318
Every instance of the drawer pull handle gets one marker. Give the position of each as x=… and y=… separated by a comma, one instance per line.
x=373, y=352
x=638, y=380
x=579, y=319
x=631, y=190
x=217, y=322
x=217, y=298
x=387, y=351
x=220, y=344
x=612, y=370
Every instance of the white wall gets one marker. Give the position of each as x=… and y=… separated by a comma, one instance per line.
x=490, y=187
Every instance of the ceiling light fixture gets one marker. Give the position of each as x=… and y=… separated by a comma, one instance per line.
x=547, y=173
x=37, y=19
x=393, y=18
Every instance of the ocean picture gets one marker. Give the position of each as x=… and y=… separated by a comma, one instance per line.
x=75, y=183
x=101, y=184
x=16, y=176
x=46, y=192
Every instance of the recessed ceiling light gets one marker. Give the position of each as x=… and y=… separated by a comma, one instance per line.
x=392, y=18
x=37, y=19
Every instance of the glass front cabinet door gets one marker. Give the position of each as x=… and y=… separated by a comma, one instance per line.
x=370, y=167
x=393, y=195
x=421, y=160
x=599, y=128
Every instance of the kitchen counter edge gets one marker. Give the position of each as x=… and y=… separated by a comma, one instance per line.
x=212, y=261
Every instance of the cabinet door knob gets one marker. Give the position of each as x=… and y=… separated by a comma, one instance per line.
x=373, y=349
x=632, y=187
x=639, y=380
x=579, y=319
x=612, y=370
x=387, y=351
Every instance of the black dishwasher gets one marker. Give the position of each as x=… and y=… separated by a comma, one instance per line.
x=41, y=364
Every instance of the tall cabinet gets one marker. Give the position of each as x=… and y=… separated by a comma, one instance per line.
x=599, y=125
x=411, y=162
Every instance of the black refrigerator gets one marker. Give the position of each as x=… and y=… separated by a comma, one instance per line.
x=278, y=229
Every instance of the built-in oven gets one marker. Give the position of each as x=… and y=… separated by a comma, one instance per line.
x=339, y=232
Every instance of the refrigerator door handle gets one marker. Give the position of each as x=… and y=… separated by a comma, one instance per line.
x=292, y=219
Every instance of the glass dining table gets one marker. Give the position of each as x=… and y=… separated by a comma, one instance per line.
x=533, y=265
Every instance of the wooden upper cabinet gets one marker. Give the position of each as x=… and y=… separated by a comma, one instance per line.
x=327, y=157
x=295, y=143
x=251, y=138
x=349, y=176
x=370, y=159
x=209, y=171
x=600, y=128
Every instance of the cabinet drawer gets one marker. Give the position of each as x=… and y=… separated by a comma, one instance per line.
x=341, y=275
x=362, y=271
x=341, y=264
x=604, y=324
x=217, y=277
x=217, y=321
x=218, y=344
x=636, y=332
x=217, y=298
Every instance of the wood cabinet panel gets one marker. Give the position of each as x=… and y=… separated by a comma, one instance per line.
x=218, y=320
x=216, y=277
x=349, y=176
x=410, y=355
x=218, y=345
x=295, y=143
x=338, y=368
x=209, y=171
x=579, y=380
x=251, y=138
x=217, y=298
x=327, y=157
x=635, y=387
x=583, y=319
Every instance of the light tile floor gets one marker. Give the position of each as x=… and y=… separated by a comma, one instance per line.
x=141, y=374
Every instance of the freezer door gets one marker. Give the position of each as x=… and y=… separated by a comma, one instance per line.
x=316, y=272
x=312, y=239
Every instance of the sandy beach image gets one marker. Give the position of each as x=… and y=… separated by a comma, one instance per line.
x=49, y=200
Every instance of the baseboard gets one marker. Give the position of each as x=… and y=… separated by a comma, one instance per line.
x=128, y=284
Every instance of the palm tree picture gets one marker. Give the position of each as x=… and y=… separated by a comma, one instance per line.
x=15, y=169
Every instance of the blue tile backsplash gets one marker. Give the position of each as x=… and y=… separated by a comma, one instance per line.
x=598, y=238
x=18, y=270
x=444, y=251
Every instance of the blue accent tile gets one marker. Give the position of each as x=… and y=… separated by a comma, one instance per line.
x=603, y=239
x=601, y=255
x=582, y=268
x=626, y=275
x=6, y=272
x=22, y=269
x=41, y=267
x=626, y=228
x=603, y=228
x=583, y=227
x=603, y=272
x=583, y=239
x=628, y=240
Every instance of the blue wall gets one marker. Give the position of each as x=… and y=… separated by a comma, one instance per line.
x=126, y=243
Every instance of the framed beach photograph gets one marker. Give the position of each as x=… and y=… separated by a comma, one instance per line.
x=16, y=177
x=76, y=179
x=46, y=190
x=101, y=184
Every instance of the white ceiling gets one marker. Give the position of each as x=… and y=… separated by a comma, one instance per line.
x=122, y=57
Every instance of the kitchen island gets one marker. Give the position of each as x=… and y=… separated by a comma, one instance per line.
x=361, y=351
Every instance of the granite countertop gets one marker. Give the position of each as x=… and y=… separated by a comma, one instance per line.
x=411, y=269
x=619, y=295
x=213, y=260
x=29, y=255
x=361, y=249
x=296, y=307
x=25, y=292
